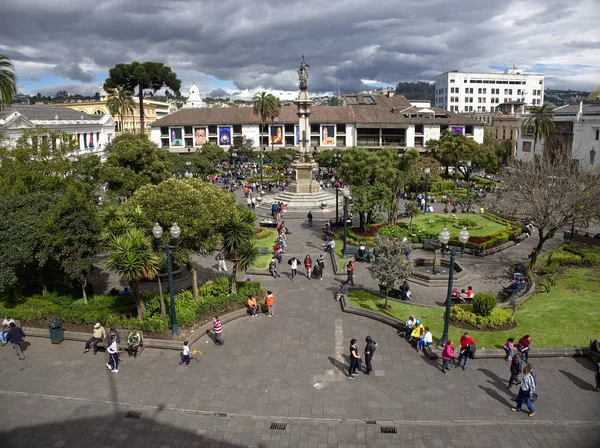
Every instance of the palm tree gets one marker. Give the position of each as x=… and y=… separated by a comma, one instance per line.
x=132, y=257
x=541, y=120
x=274, y=113
x=238, y=242
x=120, y=102
x=8, y=82
x=262, y=105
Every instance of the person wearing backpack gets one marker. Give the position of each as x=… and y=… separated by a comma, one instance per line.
x=369, y=351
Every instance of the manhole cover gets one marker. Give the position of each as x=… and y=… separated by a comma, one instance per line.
x=388, y=430
x=278, y=426
x=133, y=414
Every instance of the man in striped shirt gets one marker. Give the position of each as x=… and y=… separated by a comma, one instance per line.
x=526, y=392
x=217, y=330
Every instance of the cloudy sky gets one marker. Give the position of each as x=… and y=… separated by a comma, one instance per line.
x=241, y=46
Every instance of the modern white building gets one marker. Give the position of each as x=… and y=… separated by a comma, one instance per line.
x=576, y=130
x=366, y=121
x=92, y=132
x=484, y=92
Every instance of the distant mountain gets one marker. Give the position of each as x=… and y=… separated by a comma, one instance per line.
x=419, y=90
x=561, y=97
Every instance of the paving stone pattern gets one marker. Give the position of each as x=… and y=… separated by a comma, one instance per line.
x=289, y=369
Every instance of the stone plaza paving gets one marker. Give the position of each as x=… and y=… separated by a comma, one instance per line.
x=290, y=369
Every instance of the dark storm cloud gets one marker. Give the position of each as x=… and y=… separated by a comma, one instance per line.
x=218, y=93
x=258, y=44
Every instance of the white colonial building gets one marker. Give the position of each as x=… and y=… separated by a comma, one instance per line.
x=576, y=130
x=364, y=120
x=92, y=132
x=484, y=92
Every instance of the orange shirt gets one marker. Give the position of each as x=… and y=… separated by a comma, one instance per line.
x=252, y=302
x=269, y=300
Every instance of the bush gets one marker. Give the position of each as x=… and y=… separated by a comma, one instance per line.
x=463, y=315
x=263, y=233
x=484, y=303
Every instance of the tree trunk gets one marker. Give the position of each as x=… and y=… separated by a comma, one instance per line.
x=141, y=309
x=141, y=97
x=83, y=282
x=538, y=248
x=361, y=221
x=233, y=278
x=194, y=275
x=411, y=216
x=161, y=299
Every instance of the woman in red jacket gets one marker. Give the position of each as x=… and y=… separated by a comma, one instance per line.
x=308, y=266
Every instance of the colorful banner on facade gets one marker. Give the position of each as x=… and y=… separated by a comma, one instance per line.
x=176, y=137
x=199, y=137
x=328, y=135
x=225, y=136
x=276, y=135
x=91, y=140
x=297, y=135
x=457, y=129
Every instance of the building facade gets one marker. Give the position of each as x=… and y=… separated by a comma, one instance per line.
x=576, y=131
x=91, y=132
x=504, y=122
x=368, y=121
x=484, y=92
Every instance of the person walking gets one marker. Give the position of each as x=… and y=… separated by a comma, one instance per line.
x=4, y=330
x=515, y=370
x=467, y=349
x=526, y=392
x=350, y=272
x=221, y=259
x=308, y=266
x=524, y=346
x=369, y=351
x=269, y=300
x=354, y=359
x=98, y=335
x=293, y=262
x=113, y=355
x=447, y=355
x=185, y=354
x=321, y=263
x=310, y=218
x=217, y=330
x=15, y=336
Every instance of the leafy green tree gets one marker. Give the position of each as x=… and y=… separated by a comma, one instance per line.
x=194, y=163
x=120, y=102
x=281, y=156
x=133, y=161
x=390, y=266
x=262, y=105
x=456, y=149
x=412, y=209
x=8, y=82
x=36, y=163
x=199, y=208
x=214, y=153
x=326, y=158
x=239, y=243
x=541, y=122
x=243, y=147
x=145, y=75
x=71, y=235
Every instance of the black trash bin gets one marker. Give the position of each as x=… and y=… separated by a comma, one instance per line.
x=57, y=334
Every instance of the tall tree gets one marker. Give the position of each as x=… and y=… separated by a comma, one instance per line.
x=239, y=243
x=213, y=153
x=455, y=149
x=262, y=105
x=390, y=266
x=8, y=82
x=541, y=122
x=199, y=208
x=120, y=102
x=145, y=75
x=551, y=192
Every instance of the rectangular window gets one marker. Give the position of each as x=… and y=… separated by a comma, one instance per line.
x=237, y=128
x=187, y=130
x=164, y=132
x=452, y=80
x=418, y=129
x=212, y=130
x=526, y=146
x=468, y=130
x=341, y=128
x=289, y=128
x=597, y=134
x=315, y=128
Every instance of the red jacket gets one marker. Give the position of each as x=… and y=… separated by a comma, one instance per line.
x=466, y=340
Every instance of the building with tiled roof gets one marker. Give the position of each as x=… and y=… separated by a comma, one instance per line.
x=92, y=132
x=364, y=120
x=576, y=130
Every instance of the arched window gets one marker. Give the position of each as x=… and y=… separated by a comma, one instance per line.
x=98, y=112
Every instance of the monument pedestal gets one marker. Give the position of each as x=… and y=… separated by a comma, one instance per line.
x=304, y=182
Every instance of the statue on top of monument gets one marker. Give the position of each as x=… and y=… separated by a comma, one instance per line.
x=303, y=74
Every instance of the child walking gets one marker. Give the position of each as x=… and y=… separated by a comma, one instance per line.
x=185, y=355
x=509, y=348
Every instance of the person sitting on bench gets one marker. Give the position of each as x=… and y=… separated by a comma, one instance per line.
x=134, y=341
x=362, y=254
x=329, y=245
x=408, y=326
x=418, y=331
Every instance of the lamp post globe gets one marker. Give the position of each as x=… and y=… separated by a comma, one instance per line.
x=427, y=171
x=463, y=237
x=444, y=238
x=175, y=231
x=347, y=197
x=157, y=231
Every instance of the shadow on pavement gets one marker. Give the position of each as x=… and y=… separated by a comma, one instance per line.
x=578, y=381
x=339, y=365
x=493, y=376
x=496, y=396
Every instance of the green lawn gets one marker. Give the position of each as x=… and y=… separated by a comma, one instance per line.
x=568, y=316
x=445, y=219
x=262, y=261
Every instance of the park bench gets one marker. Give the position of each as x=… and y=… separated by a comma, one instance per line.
x=123, y=334
x=269, y=224
x=394, y=293
x=508, y=293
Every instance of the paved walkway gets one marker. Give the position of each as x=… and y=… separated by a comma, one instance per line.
x=289, y=369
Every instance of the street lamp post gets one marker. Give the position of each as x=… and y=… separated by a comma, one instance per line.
x=468, y=190
x=463, y=237
x=336, y=157
x=175, y=231
x=347, y=197
x=444, y=238
x=448, y=297
x=264, y=150
x=427, y=171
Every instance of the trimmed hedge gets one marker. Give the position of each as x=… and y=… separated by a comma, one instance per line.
x=463, y=315
x=484, y=303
